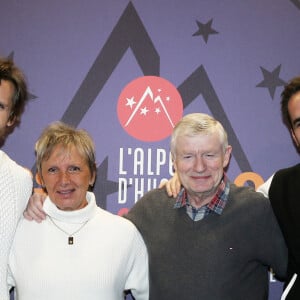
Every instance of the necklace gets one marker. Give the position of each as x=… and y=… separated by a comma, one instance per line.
x=70, y=235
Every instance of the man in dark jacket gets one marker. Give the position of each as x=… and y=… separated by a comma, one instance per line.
x=283, y=190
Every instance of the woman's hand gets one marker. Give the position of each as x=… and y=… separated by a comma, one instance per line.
x=173, y=185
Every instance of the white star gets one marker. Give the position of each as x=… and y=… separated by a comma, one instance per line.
x=157, y=110
x=130, y=102
x=168, y=98
x=144, y=111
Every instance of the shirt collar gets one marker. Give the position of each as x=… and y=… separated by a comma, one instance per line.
x=218, y=202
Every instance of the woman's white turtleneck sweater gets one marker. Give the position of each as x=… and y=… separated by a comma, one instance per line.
x=107, y=257
x=15, y=190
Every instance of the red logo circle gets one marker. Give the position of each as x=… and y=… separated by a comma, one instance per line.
x=149, y=107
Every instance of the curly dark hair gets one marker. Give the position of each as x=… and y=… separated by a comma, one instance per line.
x=290, y=89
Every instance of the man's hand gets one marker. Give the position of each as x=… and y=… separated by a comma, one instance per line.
x=34, y=210
x=172, y=185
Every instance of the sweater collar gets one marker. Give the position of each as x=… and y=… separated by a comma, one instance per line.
x=77, y=216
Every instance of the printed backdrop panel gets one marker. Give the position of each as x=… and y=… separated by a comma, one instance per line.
x=128, y=70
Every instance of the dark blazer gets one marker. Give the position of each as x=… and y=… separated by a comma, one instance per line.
x=284, y=195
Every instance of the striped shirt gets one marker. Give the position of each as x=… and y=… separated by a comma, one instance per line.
x=216, y=205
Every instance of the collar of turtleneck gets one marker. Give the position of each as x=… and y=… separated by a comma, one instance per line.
x=77, y=216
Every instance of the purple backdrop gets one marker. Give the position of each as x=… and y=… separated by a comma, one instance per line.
x=228, y=58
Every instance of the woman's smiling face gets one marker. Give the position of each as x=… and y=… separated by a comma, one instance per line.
x=66, y=177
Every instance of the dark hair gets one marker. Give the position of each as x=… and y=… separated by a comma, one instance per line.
x=290, y=89
x=10, y=72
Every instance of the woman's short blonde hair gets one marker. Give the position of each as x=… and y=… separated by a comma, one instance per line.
x=59, y=133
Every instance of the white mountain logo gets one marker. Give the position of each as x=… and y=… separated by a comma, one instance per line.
x=149, y=107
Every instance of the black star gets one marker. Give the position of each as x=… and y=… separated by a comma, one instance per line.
x=205, y=30
x=271, y=80
x=104, y=187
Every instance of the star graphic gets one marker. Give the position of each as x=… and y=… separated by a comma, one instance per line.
x=130, y=102
x=144, y=111
x=157, y=110
x=205, y=30
x=104, y=187
x=271, y=80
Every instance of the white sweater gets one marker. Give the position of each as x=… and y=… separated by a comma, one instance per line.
x=108, y=256
x=15, y=190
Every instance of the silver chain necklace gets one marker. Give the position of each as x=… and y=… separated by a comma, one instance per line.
x=70, y=235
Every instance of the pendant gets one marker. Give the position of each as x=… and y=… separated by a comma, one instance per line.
x=70, y=240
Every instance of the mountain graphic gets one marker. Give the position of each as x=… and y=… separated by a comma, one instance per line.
x=148, y=105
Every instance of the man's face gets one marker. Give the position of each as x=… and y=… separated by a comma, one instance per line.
x=6, y=96
x=199, y=162
x=294, y=113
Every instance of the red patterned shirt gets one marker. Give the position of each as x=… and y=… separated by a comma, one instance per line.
x=216, y=205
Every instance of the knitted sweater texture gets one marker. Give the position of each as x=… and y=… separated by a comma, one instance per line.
x=221, y=257
x=108, y=256
x=15, y=190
